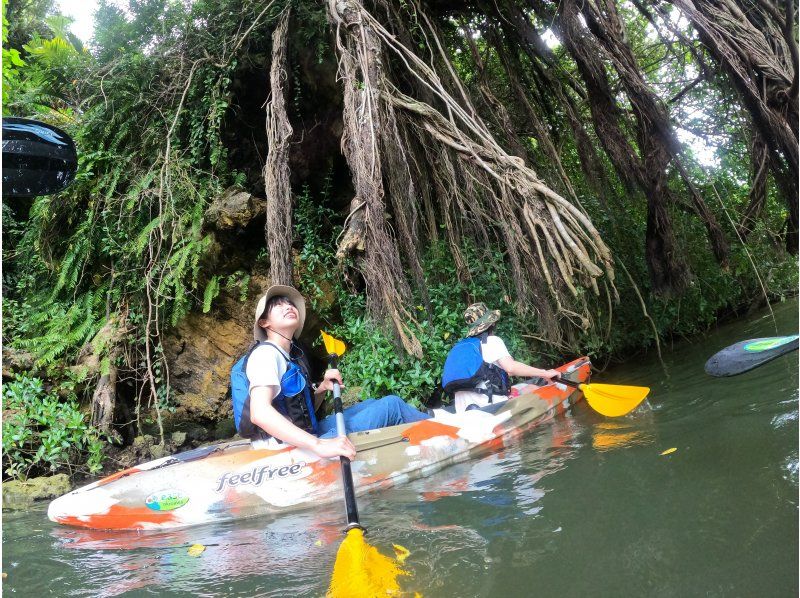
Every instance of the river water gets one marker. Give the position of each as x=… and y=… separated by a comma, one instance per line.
x=581, y=506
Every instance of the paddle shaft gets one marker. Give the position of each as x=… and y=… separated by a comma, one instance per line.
x=347, y=475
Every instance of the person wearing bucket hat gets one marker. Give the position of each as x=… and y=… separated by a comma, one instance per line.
x=292, y=296
x=273, y=397
x=477, y=392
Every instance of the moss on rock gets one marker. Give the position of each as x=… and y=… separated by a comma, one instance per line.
x=19, y=494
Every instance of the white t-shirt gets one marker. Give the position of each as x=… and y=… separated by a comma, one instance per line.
x=266, y=366
x=493, y=349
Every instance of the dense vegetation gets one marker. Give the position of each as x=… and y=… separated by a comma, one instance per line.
x=608, y=174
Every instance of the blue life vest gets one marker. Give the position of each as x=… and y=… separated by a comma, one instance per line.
x=465, y=369
x=295, y=400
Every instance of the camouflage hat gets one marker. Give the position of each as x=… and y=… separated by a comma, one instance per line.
x=479, y=318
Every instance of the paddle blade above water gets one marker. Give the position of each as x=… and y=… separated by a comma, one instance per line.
x=361, y=571
x=332, y=345
x=746, y=355
x=613, y=400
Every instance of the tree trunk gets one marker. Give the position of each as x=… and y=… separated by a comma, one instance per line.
x=652, y=117
x=668, y=271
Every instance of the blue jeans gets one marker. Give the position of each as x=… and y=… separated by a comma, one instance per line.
x=391, y=410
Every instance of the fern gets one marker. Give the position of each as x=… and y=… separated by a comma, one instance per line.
x=143, y=238
x=211, y=292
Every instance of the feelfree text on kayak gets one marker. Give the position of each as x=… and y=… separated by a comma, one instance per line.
x=258, y=475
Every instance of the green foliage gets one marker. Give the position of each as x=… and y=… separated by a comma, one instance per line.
x=39, y=75
x=239, y=281
x=211, y=292
x=43, y=434
x=128, y=235
x=149, y=108
x=314, y=227
x=12, y=62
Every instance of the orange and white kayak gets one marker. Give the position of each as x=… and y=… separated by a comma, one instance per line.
x=238, y=479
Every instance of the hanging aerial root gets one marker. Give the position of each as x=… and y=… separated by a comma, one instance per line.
x=278, y=226
x=363, y=140
x=508, y=200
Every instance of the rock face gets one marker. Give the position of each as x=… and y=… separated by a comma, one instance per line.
x=19, y=495
x=202, y=348
x=234, y=209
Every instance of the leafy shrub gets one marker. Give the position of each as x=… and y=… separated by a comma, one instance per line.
x=45, y=434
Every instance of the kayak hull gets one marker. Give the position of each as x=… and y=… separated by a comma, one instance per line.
x=233, y=480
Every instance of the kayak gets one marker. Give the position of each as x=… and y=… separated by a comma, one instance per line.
x=236, y=480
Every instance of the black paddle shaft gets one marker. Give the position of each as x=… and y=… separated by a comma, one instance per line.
x=351, y=508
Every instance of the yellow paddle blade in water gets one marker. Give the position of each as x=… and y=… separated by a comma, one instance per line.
x=333, y=346
x=612, y=400
x=361, y=571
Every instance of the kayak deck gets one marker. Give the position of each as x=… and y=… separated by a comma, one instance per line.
x=234, y=480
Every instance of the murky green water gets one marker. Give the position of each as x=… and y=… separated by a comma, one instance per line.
x=583, y=506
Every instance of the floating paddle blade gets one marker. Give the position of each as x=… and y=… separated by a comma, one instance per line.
x=361, y=571
x=333, y=346
x=613, y=400
x=746, y=355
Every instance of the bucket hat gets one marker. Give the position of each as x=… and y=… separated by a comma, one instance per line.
x=279, y=290
x=479, y=318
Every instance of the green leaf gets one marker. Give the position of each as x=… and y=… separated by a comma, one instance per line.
x=211, y=292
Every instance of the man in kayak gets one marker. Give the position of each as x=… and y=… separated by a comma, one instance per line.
x=281, y=402
x=477, y=385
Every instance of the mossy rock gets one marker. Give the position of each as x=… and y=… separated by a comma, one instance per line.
x=225, y=428
x=22, y=494
x=143, y=443
x=192, y=432
x=158, y=450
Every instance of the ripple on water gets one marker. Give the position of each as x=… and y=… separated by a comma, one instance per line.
x=792, y=468
x=785, y=419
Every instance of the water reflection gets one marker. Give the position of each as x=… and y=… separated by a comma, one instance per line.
x=295, y=551
x=449, y=521
x=611, y=435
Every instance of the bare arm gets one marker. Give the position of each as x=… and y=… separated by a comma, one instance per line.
x=266, y=417
x=517, y=368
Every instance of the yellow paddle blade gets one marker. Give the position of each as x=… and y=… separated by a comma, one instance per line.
x=333, y=346
x=363, y=572
x=612, y=400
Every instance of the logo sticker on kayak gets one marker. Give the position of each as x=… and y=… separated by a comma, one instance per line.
x=767, y=344
x=166, y=500
x=259, y=475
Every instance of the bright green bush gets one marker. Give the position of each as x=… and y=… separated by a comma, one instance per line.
x=44, y=434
